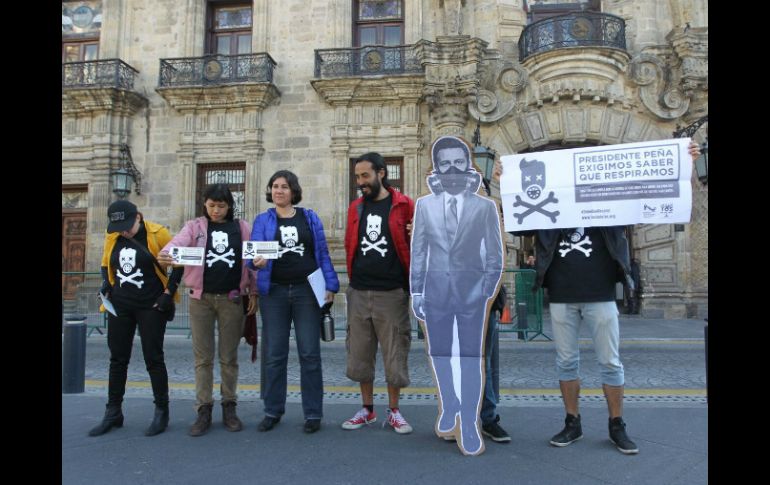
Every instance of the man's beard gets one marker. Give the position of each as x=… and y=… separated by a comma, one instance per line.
x=374, y=190
x=453, y=180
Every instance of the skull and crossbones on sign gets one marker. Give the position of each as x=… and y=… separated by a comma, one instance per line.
x=127, y=260
x=373, y=230
x=220, y=241
x=575, y=243
x=533, y=183
x=289, y=240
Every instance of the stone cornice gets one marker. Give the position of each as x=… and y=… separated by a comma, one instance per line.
x=344, y=91
x=86, y=100
x=456, y=49
x=259, y=95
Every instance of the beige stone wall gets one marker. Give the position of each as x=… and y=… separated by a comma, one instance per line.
x=313, y=128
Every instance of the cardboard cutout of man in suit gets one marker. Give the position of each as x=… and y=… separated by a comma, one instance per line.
x=457, y=260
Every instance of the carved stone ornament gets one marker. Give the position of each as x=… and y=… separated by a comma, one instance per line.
x=490, y=105
x=657, y=90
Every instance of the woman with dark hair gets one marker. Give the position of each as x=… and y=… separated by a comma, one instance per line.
x=215, y=295
x=287, y=296
x=141, y=294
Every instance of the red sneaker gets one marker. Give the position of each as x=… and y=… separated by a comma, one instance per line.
x=361, y=418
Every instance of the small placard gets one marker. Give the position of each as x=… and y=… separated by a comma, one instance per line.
x=187, y=256
x=266, y=249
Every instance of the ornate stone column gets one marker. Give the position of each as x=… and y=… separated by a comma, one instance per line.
x=451, y=81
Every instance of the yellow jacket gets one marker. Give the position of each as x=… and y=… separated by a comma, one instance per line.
x=157, y=237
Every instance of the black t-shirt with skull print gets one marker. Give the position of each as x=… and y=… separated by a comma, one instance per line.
x=376, y=265
x=222, y=264
x=582, y=270
x=296, y=256
x=137, y=286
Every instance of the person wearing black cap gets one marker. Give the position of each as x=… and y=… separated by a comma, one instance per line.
x=142, y=296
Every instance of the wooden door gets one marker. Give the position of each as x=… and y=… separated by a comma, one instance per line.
x=73, y=252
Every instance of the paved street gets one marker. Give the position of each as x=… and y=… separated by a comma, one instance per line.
x=665, y=409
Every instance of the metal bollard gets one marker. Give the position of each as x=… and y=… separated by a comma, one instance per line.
x=706, y=336
x=74, y=355
x=523, y=324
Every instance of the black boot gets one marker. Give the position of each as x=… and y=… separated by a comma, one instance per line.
x=113, y=417
x=159, y=421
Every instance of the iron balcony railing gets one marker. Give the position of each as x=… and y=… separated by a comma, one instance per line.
x=366, y=61
x=579, y=29
x=217, y=69
x=104, y=73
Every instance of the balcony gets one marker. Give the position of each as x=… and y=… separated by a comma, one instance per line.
x=105, y=73
x=367, y=61
x=97, y=85
x=580, y=29
x=216, y=70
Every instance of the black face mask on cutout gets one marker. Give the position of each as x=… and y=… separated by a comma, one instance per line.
x=453, y=180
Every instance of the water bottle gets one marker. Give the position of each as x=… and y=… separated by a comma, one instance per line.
x=327, y=327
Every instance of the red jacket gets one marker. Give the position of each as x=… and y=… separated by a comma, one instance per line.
x=401, y=213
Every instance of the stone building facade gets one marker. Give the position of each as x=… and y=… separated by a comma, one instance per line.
x=200, y=91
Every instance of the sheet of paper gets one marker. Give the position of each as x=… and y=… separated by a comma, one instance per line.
x=108, y=304
x=266, y=249
x=317, y=282
x=187, y=256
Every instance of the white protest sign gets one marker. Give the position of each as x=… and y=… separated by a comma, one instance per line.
x=610, y=185
x=266, y=249
x=187, y=256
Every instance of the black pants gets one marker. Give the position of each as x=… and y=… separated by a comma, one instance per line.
x=120, y=339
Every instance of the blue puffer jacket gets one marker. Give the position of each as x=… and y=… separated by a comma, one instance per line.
x=264, y=228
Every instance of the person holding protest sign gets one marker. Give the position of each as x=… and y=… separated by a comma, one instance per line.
x=581, y=286
x=286, y=296
x=216, y=288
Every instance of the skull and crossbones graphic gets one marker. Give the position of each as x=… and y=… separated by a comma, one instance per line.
x=220, y=241
x=536, y=208
x=289, y=240
x=373, y=230
x=533, y=183
x=575, y=243
x=127, y=260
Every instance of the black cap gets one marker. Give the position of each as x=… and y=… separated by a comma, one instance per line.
x=122, y=214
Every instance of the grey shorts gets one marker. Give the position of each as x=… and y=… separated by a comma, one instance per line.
x=378, y=316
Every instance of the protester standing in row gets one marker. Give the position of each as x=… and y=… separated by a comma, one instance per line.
x=377, y=251
x=581, y=288
x=286, y=297
x=141, y=293
x=215, y=293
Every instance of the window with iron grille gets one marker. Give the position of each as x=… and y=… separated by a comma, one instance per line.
x=395, y=166
x=229, y=28
x=231, y=174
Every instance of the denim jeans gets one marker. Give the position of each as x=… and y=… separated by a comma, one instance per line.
x=120, y=340
x=284, y=304
x=602, y=321
x=492, y=362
